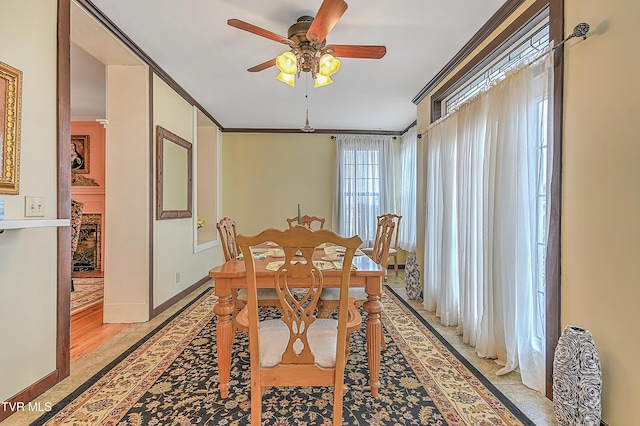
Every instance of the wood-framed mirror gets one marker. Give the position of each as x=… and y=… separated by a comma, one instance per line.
x=174, y=176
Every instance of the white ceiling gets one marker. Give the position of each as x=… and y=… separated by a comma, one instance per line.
x=192, y=42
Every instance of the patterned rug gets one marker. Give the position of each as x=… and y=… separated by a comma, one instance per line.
x=86, y=293
x=169, y=378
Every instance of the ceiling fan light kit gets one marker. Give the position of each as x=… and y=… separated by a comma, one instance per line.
x=291, y=64
x=308, y=49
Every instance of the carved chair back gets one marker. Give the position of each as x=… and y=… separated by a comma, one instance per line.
x=307, y=221
x=227, y=231
x=298, y=349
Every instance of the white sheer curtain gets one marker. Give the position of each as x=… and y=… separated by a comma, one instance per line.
x=407, y=231
x=365, y=185
x=486, y=215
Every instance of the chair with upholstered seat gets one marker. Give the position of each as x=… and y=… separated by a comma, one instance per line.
x=307, y=221
x=76, y=223
x=330, y=296
x=227, y=231
x=298, y=349
x=393, y=249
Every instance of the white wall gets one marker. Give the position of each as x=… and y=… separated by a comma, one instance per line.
x=174, y=238
x=126, y=277
x=28, y=276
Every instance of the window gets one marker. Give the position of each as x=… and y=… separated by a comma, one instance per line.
x=361, y=190
x=524, y=49
x=365, y=184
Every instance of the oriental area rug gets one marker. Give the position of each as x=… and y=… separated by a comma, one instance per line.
x=170, y=378
x=86, y=293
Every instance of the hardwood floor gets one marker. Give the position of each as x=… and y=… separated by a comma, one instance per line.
x=88, y=331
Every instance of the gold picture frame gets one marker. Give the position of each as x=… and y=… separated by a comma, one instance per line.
x=80, y=154
x=10, y=103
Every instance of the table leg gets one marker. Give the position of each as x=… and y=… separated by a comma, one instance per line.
x=224, y=333
x=373, y=307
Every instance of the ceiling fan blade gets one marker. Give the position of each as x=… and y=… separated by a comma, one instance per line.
x=263, y=66
x=328, y=15
x=258, y=31
x=356, y=51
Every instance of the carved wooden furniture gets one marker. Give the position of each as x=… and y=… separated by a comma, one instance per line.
x=227, y=231
x=329, y=298
x=231, y=276
x=307, y=221
x=393, y=249
x=298, y=349
x=76, y=222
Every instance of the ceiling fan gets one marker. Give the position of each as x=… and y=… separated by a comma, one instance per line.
x=308, y=49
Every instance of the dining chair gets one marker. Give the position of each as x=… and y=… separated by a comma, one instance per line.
x=329, y=298
x=307, y=221
x=227, y=231
x=393, y=249
x=76, y=224
x=297, y=348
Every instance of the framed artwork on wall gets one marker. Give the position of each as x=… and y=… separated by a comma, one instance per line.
x=80, y=154
x=10, y=99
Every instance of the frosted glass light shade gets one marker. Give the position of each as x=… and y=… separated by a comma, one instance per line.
x=322, y=80
x=328, y=65
x=287, y=78
x=287, y=63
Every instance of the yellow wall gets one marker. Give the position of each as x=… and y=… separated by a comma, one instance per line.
x=28, y=265
x=601, y=200
x=174, y=238
x=207, y=189
x=601, y=195
x=265, y=176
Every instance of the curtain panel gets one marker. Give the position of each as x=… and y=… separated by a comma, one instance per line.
x=365, y=186
x=408, y=158
x=486, y=219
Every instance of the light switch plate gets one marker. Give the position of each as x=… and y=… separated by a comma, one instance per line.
x=34, y=206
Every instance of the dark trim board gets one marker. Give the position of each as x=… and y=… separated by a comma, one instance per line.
x=167, y=304
x=528, y=18
x=120, y=35
x=554, y=250
x=316, y=131
x=524, y=420
x=152, y=193
x=97, y=14
x=31, y=393
x=520, y=26
x=88, y=383
x=494, y=22
x=63, y=206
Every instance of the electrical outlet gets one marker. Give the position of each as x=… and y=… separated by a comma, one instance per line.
x=177, y=277
x=34, y=206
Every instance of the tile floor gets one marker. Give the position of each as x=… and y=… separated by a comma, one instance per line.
x=538, y=408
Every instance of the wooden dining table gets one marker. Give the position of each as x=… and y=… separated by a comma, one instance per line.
x=232, y=275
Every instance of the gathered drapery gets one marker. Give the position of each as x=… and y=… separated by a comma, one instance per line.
x=364, y=184
x=486, y=217
x=407, y=231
